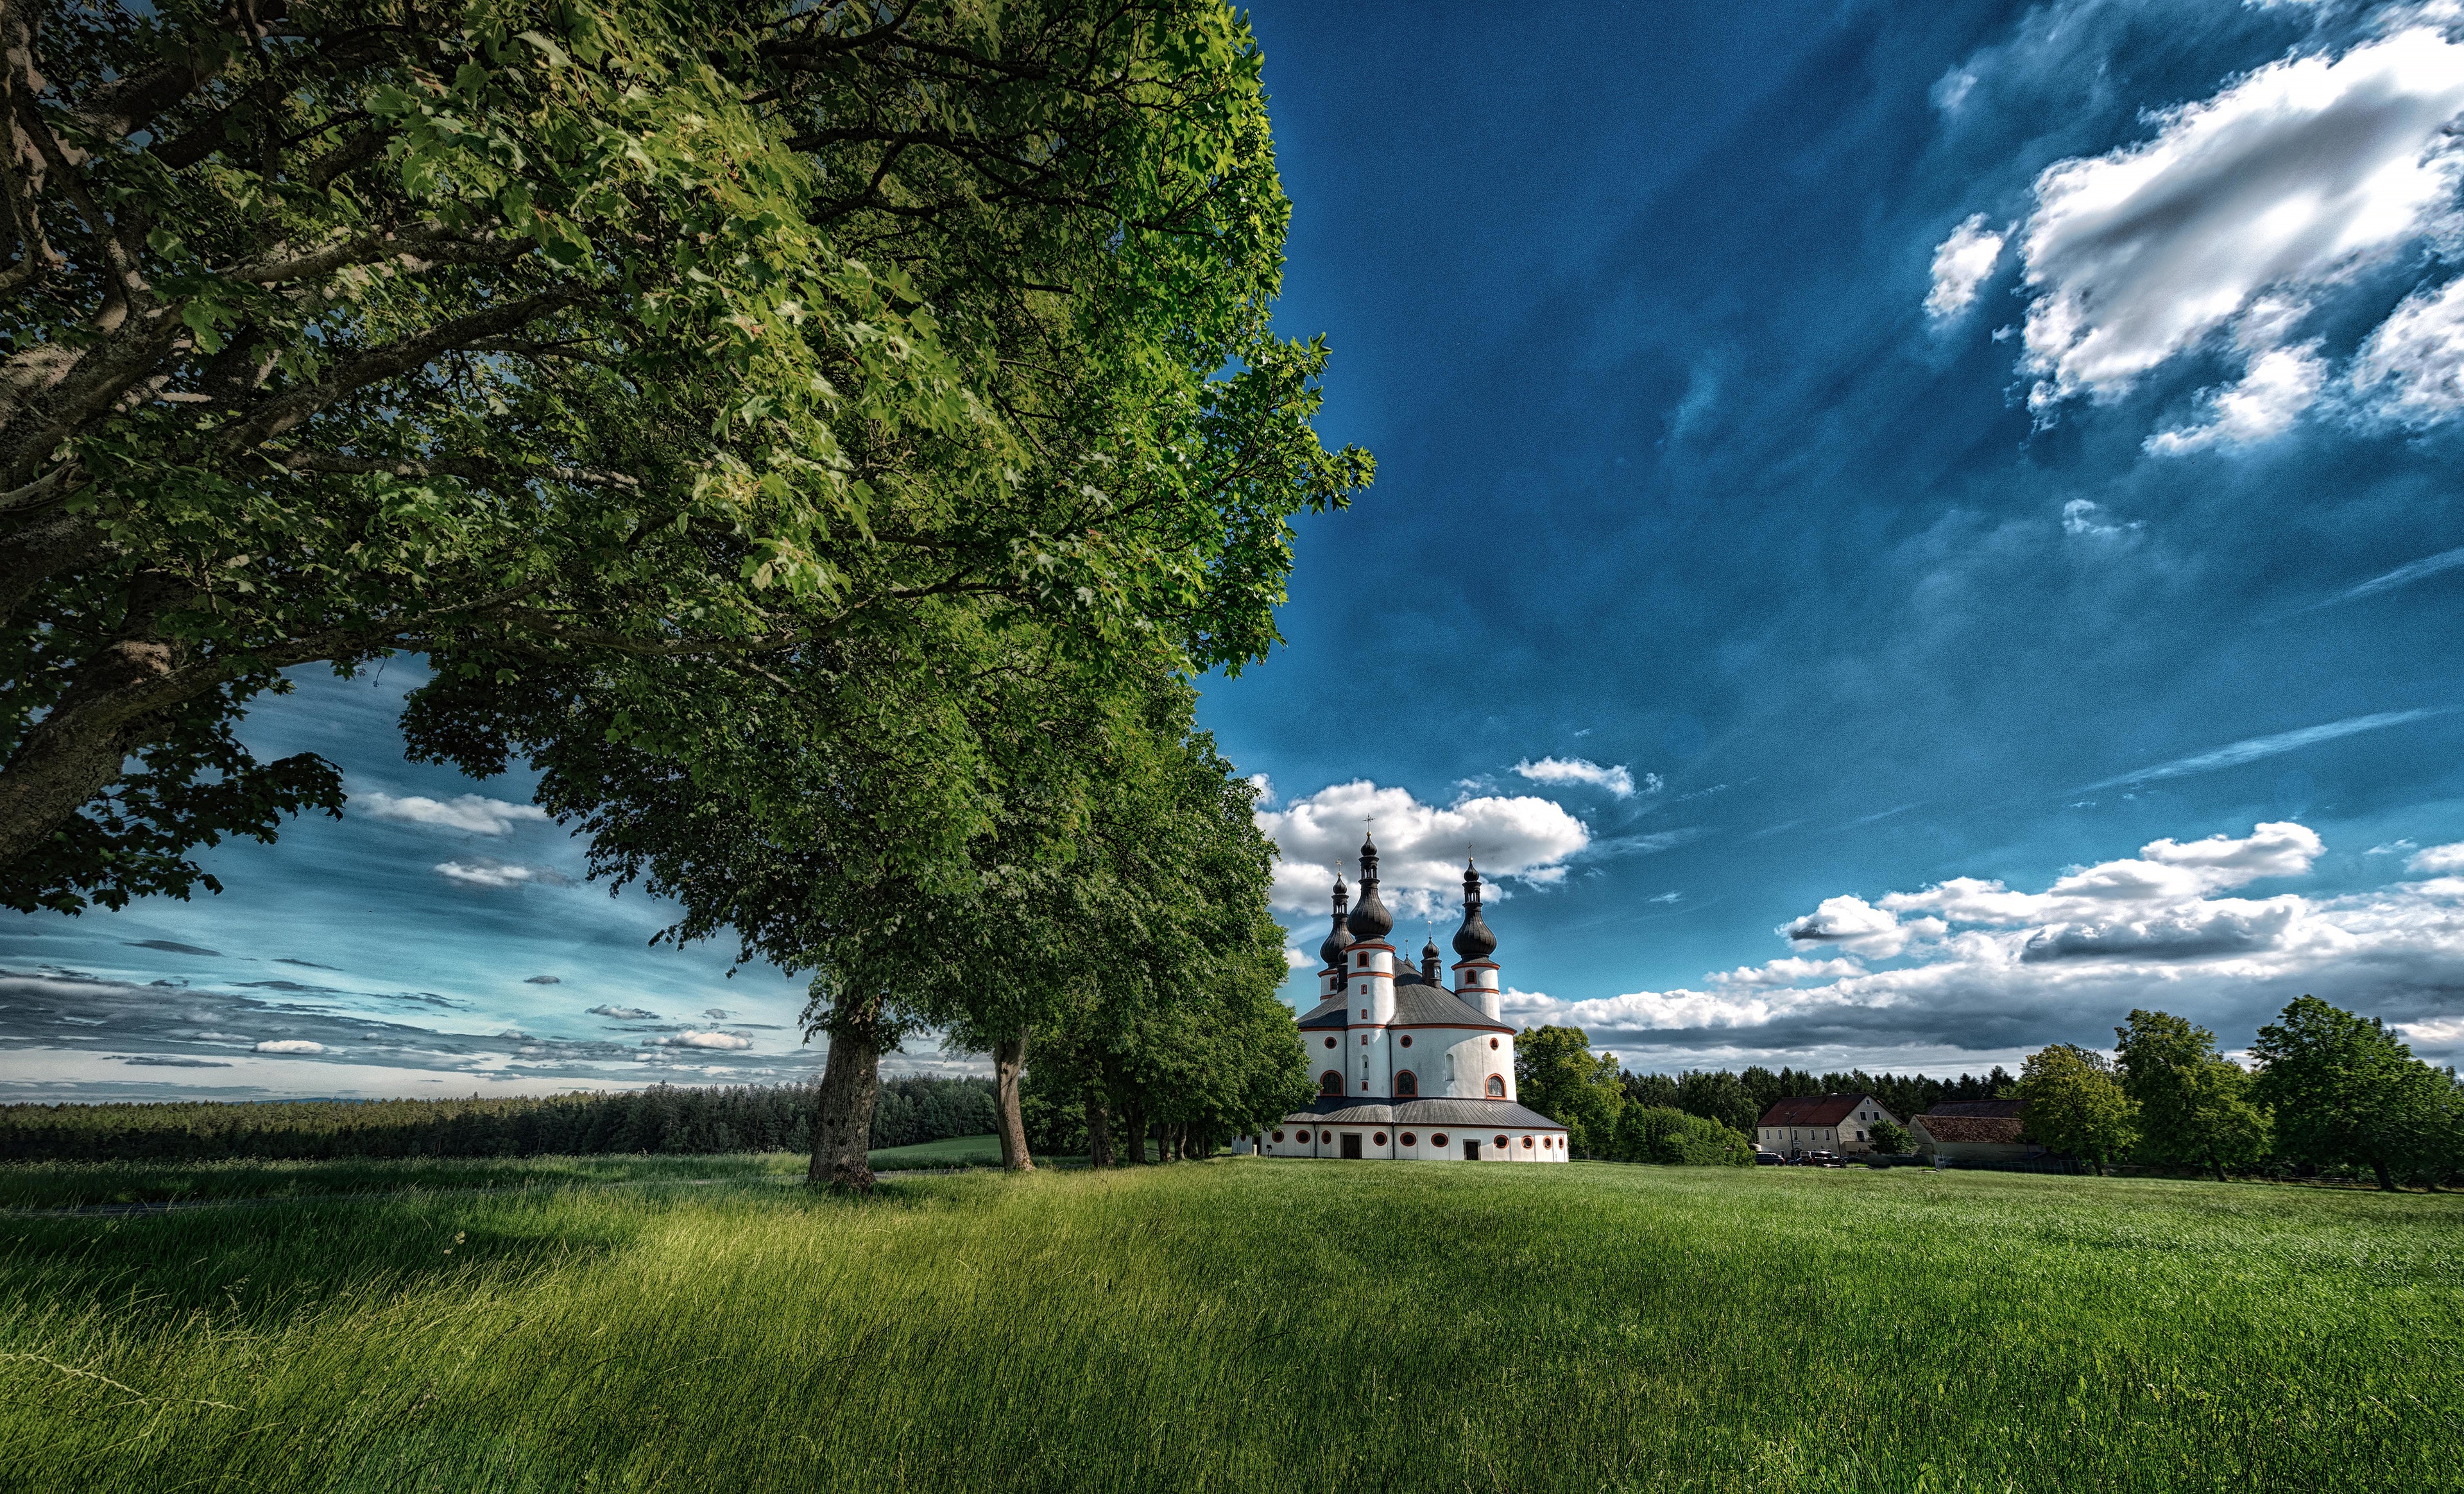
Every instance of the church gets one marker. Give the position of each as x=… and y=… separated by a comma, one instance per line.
x=1408, y=1070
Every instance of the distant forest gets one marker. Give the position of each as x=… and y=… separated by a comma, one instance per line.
x=1738, y=1100
x=773, y=1118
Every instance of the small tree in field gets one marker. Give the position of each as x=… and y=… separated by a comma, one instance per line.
x=2075, y=1106
x=2194, y=1106
x=1888, y=1136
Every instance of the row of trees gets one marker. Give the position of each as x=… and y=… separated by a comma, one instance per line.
x=660, y=1119
x=822, y=439
x=2332, y=1089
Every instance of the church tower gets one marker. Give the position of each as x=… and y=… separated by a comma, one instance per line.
x=1330, y=980
x=1372, y=967
x=1476, y=973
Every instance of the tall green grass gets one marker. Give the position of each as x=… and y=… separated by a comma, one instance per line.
x=1248, y=1325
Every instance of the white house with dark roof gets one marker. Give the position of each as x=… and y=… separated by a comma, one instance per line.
x=1408, y=1070
x=1834, y=1123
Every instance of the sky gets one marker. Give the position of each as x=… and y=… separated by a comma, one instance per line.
x=1901, y=534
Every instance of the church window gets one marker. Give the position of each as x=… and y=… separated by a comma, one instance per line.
x=1407, y=1039
x=1527, y=1143
x=1492, y=1042
x=1330, y=1082
x=1497, y=1089
x=1364, y=1011
x=1327, y=1137
x=1410, y=1140
x=1377, y=1138
x=1363, y=961
x=1438, y=1140
x=1279, y=1137
x=1330, y=1042
x=1501, y=1143
x=1407, y=1083
x=1364, y=1040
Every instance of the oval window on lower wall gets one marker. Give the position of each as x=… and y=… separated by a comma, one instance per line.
x=1410, y=1140
x=1527, y=1143
x=1501, y=1143
x=1407, y=1039
x=1438, y=1140
x=1377, y=1138
x=1279, y=1136
x=1327, y=1137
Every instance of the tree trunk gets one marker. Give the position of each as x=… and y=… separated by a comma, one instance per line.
x=2386, y=1179
x=851, y=1086
x=1009, y=1060
x=1133, y=1135
x=1099, y=1130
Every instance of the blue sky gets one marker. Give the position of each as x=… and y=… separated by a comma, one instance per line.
x=1902, y=532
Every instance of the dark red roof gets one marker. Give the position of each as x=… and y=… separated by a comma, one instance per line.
x=1994, y=1108
x=1813, y=1109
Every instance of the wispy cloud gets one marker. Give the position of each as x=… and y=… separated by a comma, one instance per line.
x=1615, y=777
x=475, y=813
x=2401, y=576
x=1882, y=814
x=2251, y=749
x=499, y=874
x=624, y=1013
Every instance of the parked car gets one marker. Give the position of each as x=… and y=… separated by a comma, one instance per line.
x=1824, y=1159
x=1768, y=1160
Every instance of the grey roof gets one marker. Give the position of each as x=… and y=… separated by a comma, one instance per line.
x=1472, y=1114
x=1327, y=1013
x=1435, y=1007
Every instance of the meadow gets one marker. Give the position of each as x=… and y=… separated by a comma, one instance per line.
x=1248, y=1324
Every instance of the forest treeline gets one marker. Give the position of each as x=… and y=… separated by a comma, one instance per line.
x=660, y=1119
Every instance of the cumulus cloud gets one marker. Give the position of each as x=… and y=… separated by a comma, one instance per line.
x=1615, y=777
x=2414, y=364
x=290, y=1045
x=1961, y=265
x=1265, y=787
x=624, y=1012
x=2224, y=229
x=499, y=874
x=725, y=1041
x=2437, y=858
x=1979, y=967
x=1420, y=846
x=475, y=813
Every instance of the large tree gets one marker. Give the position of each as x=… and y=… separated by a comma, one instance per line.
x=2194, y=1105
x=544, y=337
x=1557, y=1074
x=2347, y=1093
x=2073, y=1104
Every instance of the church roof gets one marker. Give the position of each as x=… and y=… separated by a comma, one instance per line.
x=1478, y=1115
x=1416, y=1005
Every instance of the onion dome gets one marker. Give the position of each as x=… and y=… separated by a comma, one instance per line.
x=1337, y=940
x=1369, y=919
x=1473, y=940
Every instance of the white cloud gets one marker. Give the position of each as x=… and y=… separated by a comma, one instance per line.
x=498, y=874
x=1616, y=779
x=475, y=813
x=2390, y=849
x=1294, y=959
x=1420, y=846
x=624, y=1013
x=1265, y=787
x=290, y=1045
x=1984, y=969
x=2437, y=858
x=1962, y=263
x=2083, y=517
x=704, y=1040
x=2279, y=384
x=2413, y=365
x=2239, y=209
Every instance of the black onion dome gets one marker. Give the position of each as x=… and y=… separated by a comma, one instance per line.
x=1369, y=919
x=1473, y=940
x=1337, y=939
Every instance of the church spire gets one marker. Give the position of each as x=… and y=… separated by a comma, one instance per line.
x=1476, y=973
x=1369, y=919
x=1337, y=939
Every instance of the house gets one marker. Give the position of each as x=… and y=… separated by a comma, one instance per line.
x=1408, y=1070
x=1820, y=1123
x=1976, y=1130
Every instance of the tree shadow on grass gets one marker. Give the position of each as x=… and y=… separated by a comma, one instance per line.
x=256, y=1266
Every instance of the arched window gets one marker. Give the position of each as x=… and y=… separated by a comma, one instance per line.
x=1497, y=1086
x=1330, y=1082
x=1406, y=1083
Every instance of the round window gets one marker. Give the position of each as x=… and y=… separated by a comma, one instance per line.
x=1438, y=1140
x=1377, y=1138
x=1407, y=1039
x=1410, y=1140
x=1279, y=1138
x=1492, y=1042
x=1501, y=1143
x=1330, y=1042
x=1327, y=1137
x=1527, y=1143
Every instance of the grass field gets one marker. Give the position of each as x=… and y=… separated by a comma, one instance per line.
x=1248, y=1325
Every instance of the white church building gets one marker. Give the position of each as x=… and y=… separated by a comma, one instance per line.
x=1408, y=1070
